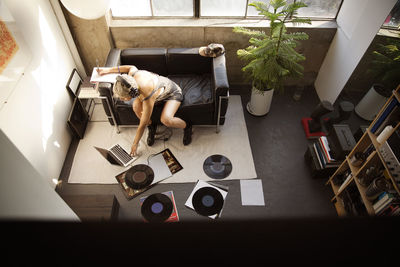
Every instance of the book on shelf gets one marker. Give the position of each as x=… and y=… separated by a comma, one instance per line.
x=389, y=210
x=325, y=145
x=326, y=163
x=389, y=108
x=385, y=202
x=313, y=157
x=318, y=157
x=381, y=200
x=395, y=211
x=391, y=119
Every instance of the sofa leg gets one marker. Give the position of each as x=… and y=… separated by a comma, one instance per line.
x=219, y=111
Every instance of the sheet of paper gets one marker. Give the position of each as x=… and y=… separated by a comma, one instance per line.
x=103, y=78
x=252, y=193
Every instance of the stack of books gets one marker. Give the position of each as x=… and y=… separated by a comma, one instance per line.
x=387, y=204
x=324, y=154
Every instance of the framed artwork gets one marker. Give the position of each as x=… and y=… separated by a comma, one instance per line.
x=74, y=83
x=15, y=54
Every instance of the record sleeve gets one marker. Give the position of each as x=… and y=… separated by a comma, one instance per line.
x=156, y=208
x=164, y=164
x=139, y=176
x=174, y=217
x=223, y=190
x=128, y=191
x=207, y=201
x=172, y=163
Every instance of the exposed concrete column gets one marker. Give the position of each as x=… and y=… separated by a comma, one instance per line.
x=92, y=38
x=358, y=22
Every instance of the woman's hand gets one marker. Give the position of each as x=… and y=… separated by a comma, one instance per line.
x=134, y=150
x=102, y=71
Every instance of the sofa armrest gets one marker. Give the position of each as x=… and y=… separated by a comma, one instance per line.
x=105, y=88
x=113, y=58
x=220, y=79
x=219, y=73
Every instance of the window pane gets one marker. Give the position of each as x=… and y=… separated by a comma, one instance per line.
x=320, y=9
x=223, y=8
x=314, y=9
x=130, y=8
x=393, y=20
x=252, y=11
x=173, y=8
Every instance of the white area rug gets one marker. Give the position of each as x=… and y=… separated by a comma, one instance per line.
x=89, y=167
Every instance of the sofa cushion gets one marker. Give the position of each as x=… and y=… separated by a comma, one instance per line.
x=187, y=61
x=196, y=88
x=150, y=59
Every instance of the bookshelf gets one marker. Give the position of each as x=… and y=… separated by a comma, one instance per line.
x=353, y=181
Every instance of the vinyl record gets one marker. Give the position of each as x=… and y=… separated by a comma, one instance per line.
x=207, y=201
x=139, y=176
x=157, y=208
x=217, y=166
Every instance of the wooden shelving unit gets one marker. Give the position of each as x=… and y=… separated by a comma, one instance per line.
x=367, y=144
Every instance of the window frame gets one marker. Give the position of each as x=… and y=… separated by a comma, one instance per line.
x=197, y=14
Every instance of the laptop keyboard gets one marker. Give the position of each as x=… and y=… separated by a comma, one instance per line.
x=121, y=154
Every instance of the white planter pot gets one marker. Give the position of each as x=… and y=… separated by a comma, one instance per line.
x=370, y=104
x=260, y=102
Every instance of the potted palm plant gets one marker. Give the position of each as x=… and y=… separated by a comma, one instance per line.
x=271, y=56
x=385, y=69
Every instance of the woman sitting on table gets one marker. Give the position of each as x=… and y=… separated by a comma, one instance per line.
x=148, y=89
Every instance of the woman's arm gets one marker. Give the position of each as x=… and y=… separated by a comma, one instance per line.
x=120, y=69
x=144, y=121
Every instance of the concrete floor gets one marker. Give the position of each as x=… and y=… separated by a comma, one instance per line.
x=278, y=144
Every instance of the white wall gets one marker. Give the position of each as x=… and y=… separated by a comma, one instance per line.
x=34, y=117
x=24, y=195
x=358, y=22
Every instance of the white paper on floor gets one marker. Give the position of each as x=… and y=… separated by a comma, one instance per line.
x=252, y=193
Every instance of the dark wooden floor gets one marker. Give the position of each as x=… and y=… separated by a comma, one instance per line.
x=298, y=222
x=278, y=144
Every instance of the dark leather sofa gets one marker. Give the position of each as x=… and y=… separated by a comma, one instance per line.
x=203, y=80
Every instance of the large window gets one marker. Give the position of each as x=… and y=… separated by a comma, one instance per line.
x=151, y=8
x=320, y=9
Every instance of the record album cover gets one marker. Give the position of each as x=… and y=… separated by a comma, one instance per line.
x=172, y=162
x=128, y=191
x=209, y=197
x=174, y=217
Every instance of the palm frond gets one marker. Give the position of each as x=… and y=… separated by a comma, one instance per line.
x=272, y=57
x=298, y=21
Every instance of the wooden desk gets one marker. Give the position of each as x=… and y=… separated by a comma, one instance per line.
x=93, y=207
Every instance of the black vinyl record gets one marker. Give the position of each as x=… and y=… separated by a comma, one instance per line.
x=217, y=166
x=139, y=176
x=157, y=208
x=207, y=201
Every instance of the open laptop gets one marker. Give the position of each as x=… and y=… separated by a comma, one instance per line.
x=116, y=155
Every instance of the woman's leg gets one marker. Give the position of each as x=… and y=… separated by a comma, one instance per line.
x=168, y=115
x=168, y=119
